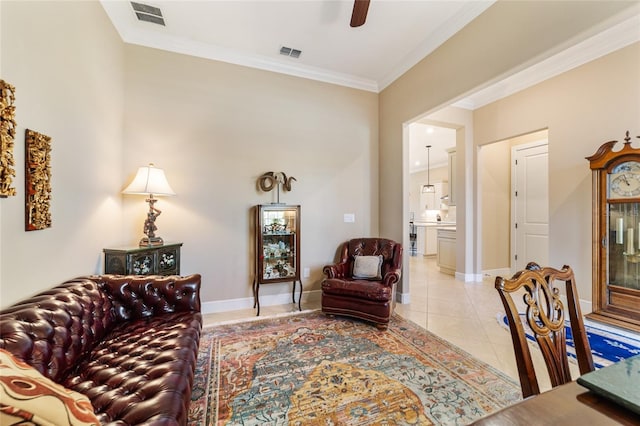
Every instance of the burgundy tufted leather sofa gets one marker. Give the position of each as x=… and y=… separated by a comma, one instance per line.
x=129, y=343
x=367, y=299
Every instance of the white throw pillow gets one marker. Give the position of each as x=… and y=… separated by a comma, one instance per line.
x=367, y=267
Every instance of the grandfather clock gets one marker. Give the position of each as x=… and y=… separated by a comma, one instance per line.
x=616, y=235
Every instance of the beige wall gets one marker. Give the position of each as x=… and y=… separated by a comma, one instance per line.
x=495, y=166
x=495, y=180
x=65, y=61
x=215, y=128
x=582, y=109
x=503, y=40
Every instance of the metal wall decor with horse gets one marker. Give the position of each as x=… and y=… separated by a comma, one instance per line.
x=270, y=180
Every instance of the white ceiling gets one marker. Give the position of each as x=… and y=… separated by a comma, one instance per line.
x=396, y=35
x=440, y=139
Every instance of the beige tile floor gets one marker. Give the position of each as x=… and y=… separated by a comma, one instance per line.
x=465, y=315
x=461, y=313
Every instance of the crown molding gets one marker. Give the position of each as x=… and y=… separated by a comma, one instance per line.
x=171, y=43
x=175, y=44
x=614, y=38
x=607, y=41
x=206, y=51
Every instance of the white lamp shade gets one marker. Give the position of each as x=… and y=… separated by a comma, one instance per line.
x=149, y=180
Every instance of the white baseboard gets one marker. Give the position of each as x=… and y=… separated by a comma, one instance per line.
x=468, y=278
x=403, y=298
x=586, y=306
x=500, y=272
x=247, y=302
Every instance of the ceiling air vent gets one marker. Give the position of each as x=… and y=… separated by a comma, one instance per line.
x=287, y=51
x=147, y=13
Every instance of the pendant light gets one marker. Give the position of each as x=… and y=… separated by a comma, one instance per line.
x=428, y=187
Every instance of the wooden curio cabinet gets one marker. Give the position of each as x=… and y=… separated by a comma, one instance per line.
x=616, y=235
x=277, y=251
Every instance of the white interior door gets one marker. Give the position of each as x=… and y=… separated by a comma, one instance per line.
x=530, y=205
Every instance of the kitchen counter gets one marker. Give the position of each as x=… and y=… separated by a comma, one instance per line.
x=446, y=227
x=430, y=224
x=426, y=238
x=446, y=249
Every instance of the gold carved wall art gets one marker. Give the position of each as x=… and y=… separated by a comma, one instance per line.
x=37, y=173
x=7, y=136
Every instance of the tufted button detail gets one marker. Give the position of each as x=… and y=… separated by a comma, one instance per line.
x=118, y=340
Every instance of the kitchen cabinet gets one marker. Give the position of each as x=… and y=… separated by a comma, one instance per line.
x=433, y=200
x=451, y=171
x=431, y=241
x=426, y=238
x=446, y=255
x=428, y=201
x=420, y=239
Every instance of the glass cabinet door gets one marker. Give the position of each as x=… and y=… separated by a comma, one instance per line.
x=278, y=238
x=616, y=234
x=624, y=245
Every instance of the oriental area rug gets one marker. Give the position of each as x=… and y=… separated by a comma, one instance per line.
x=309, y=369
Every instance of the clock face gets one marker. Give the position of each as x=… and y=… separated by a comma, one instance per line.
x=624, y=180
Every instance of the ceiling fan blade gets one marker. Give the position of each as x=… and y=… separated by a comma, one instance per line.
x=359, y=15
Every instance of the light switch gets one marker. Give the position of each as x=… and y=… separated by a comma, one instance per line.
x=306, y=273
x=349, y=217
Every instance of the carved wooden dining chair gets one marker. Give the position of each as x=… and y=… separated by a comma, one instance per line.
x=545, y=316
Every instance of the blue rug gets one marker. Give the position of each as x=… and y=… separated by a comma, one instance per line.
x=608, y=345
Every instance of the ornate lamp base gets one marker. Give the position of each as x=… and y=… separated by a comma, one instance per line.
x=150, y=225
x=151, y=241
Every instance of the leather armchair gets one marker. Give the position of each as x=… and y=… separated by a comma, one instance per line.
x=368, y=299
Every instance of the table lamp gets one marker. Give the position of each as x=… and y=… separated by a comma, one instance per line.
x=150, y=181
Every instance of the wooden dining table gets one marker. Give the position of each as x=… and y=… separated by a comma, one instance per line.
x=568, y=404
